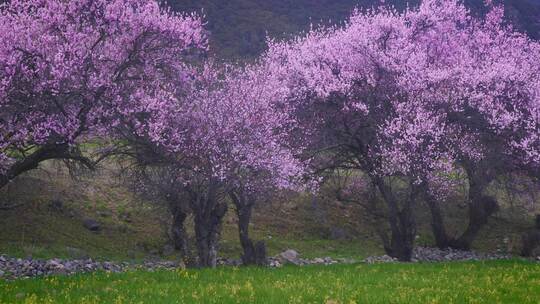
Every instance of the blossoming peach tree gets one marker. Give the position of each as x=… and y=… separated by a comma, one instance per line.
x=417, y=95
x=72, y=70
x=227, y=138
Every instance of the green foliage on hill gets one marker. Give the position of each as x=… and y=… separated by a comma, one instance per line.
x=239, y=27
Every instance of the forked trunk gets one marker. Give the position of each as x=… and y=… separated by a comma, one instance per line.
x=480, y=206
x=480, y=209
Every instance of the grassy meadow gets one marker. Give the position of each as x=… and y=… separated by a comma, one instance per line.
x=464, y=282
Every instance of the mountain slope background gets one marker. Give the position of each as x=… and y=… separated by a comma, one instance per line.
x=239, y=27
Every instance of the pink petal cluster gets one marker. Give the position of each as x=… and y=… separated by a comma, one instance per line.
x=73, y=69
x=420, y=90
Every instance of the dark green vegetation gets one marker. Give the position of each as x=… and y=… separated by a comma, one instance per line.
x=487, y=282
x=239, y=27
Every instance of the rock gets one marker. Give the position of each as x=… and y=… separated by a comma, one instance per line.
x=347, y=261
x=290, y=256
x=91, y=224
x=425, y=254
x=1, y=273
x=274, y=263
x=318, y=261
x=380, y=259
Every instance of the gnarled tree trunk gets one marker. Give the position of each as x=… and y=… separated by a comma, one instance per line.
x=481, y=207
x=207, y=233
x=401, y=220
x=442, y=240
x=208, y=212
x=253, y=254
x=179, y=235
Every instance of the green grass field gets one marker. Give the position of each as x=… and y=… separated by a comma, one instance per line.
x=470, y=282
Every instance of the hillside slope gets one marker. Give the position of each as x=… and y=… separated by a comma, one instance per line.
x=239, y=27
x=49, y=222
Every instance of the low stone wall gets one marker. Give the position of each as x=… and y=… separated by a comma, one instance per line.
x=15, y=268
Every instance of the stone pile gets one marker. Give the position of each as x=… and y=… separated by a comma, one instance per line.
x=380, y=259
x=292, y=257
x=15, y=268
x=228, y=262
x=427, y=254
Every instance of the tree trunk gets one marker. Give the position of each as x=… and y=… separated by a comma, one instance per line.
x=209, y=212
x=179, y=235
x=481, y=207
x=253, y=254
x=207, y=233
x=244, y=217
x=442, y=240
x=402, y=223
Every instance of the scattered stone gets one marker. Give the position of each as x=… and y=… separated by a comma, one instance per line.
x=346, y=261
x=380, y=259
x=12, y=268
x=274, y=263
x=289, y=256
x=426, y=254
x=91, y=224
x=228, y=262
x=292, y=257
x=16, y=268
